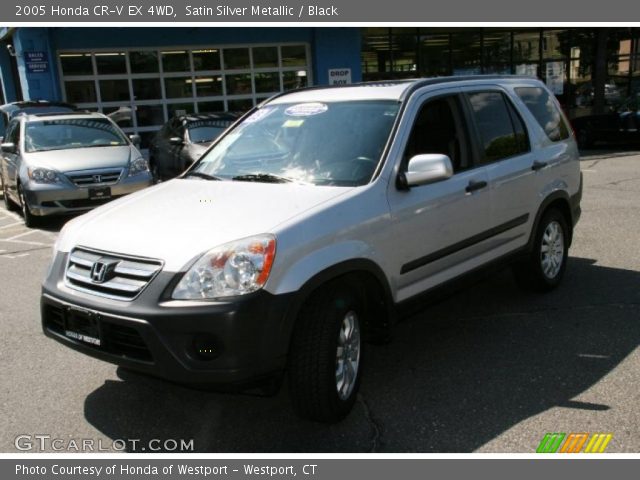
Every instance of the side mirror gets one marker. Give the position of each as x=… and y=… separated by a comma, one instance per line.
x=135, y=139
x=176, y=141
x=8, y=147
x=424, y=169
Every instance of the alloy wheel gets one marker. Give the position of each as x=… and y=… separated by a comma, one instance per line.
x=348, y=355
x=552, y=250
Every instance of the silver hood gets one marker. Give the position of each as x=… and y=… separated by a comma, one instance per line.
x=74, y=159
x=183, y=218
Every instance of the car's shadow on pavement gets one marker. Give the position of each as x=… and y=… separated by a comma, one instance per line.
x=457, y=374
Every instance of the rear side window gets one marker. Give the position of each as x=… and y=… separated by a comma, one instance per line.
x=501, y=130
x=543, y=107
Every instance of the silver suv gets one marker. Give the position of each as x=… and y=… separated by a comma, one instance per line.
x=295, y=237
x=58, y=163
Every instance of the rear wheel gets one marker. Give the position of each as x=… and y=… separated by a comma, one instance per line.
x=325, y=362
x=30, y=220
x=544, y=268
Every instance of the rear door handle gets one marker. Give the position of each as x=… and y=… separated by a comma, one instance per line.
x=475, y=185
x=538, y=165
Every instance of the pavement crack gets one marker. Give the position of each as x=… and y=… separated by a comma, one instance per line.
x=375, y=425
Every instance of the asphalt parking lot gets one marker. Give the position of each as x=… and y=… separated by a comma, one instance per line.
x=488, y=369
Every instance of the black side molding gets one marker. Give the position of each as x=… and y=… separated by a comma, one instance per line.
x=466, y=243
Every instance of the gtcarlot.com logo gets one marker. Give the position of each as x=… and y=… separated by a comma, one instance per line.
x=47, y=443
x=574, y=443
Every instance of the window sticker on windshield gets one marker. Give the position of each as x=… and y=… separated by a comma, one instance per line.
x=259, y=115
x=291, y=123
x=306, y=109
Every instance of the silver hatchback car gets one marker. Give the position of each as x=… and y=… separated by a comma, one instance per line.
x=67, y=162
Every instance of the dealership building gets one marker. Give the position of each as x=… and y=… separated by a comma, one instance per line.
x=158, y=71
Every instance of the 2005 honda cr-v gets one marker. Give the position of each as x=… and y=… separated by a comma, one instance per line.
x=296, y=236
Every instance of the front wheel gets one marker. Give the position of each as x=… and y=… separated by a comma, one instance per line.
x=325, y=362
x=8, y=204
x=544, y=268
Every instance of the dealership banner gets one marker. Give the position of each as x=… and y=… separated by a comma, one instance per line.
x=316, y=469
x=316, y=11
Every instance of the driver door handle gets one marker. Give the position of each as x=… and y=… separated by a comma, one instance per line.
x=475, y=185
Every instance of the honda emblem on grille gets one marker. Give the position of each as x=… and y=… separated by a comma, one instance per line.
x=97, y=178
x=103, y=270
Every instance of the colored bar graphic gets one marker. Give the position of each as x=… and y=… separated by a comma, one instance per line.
x=550, y=443
x=574, y=442
x=598, y=443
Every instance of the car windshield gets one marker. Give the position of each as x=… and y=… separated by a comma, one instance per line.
x=204, y=131
x=337, y=143
x=62, y=134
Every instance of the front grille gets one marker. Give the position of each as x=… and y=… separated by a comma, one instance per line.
x=120, y=340
x=128, y=276
x=87, y=178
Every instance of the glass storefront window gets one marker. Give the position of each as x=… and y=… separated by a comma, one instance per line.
x=294, y=56
x=375, y=56
x=434, y=55
x=149, y=115
x=403, y=55
x=156, y=83
x=80, y=91
x=267, y=82
x=111, y=63
x=175, y=61
x=526, y=46
x=208, y=59
x=146, y=89
x=238, y=84
x=265, y=57
x=179, y=87
x=209, y=86
x=114, y=90
x=204, y=107
x=292, y=80
x=554, y=43
x=466, y=52
x=76, y=63
x=236, y=58
x=496, y=49
x=144, y=62
x=179, y=109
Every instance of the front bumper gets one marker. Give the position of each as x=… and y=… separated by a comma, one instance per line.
x=55, y=199
x=244, y=340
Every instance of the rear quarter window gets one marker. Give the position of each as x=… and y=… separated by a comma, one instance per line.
x=543, y=107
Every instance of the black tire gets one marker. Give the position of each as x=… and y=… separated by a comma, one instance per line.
x=8, y=204
x=30, y=220
x=314, y=359
x=531, y=273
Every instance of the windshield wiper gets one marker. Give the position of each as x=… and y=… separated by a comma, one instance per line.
x=262, y=177
x=202, y=175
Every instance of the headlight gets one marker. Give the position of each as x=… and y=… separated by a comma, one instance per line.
x=236, y=268
x=137, y=166
x=43, y=175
